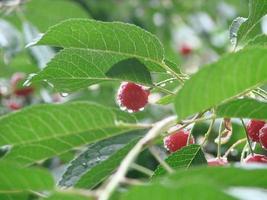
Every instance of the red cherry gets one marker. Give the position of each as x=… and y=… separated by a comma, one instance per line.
x=253, y=128
x=256, y=158
x=217, y=162
x=16, y=79
x=177, y=140
x=263, y=136
x=132, y=96
x=185, y=50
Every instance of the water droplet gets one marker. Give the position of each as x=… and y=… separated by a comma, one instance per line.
x=84, y=164
x=163, y=85
x=141, y=109
x=123, y=108
x=64, y=94
x=130, y=111
x=171, y=81
x=168, y=72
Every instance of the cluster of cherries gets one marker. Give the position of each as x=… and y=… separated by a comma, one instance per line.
x=15, y=94
x=257, y=132
x=134, y=98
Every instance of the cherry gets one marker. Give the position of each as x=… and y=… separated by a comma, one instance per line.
x=16, y=80
x=263, y=136
x=256, y=158
x=217, y=161
x=185, y=50
x=253, y=128
x=177, y=140
x=132, y=96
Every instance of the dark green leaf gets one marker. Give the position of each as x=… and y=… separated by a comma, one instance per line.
x=95, y=154
x=130, y=70
x=186, y=157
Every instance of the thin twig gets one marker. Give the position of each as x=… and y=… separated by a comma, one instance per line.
x=153, y=133
x=162, y=162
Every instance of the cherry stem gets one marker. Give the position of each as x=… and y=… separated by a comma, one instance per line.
x=207, y=134
x=219, y=142
x=248, y=140
x=162, y=162
x=142, y=169
x=233, y=146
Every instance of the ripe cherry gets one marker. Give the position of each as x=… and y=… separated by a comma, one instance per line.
x=16, y=82
x=177, y=140
x=217, y=161
x=256, y=158
x=253, y=128
x=263, y=136
x=185, y=50
x=132, y=96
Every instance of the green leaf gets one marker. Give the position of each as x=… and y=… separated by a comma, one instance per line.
x=193, y=188
x=260, y=40
x=188, y=156
x=81, y=169
x=224, y=176
x=252, y=27
x=213, y=180
x=62, y=196
x=92, y=47
x=168, y=99
x=43, y=131
x=243, y=108
x=130, y=70
x=16, y=179
x=216, y=83
x=19, y=196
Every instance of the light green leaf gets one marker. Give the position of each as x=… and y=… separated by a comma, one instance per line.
x=43, y=131
x=168, y=99
x=213, y=180
x=218, y=82
x=18, y=196
x=62, y=196
x=100, y=153
x=243, y=108
x=251, y=27
x=260, y=40
x=193, y=188
x=16, y=179
x=188, y=156
x=92, y=47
